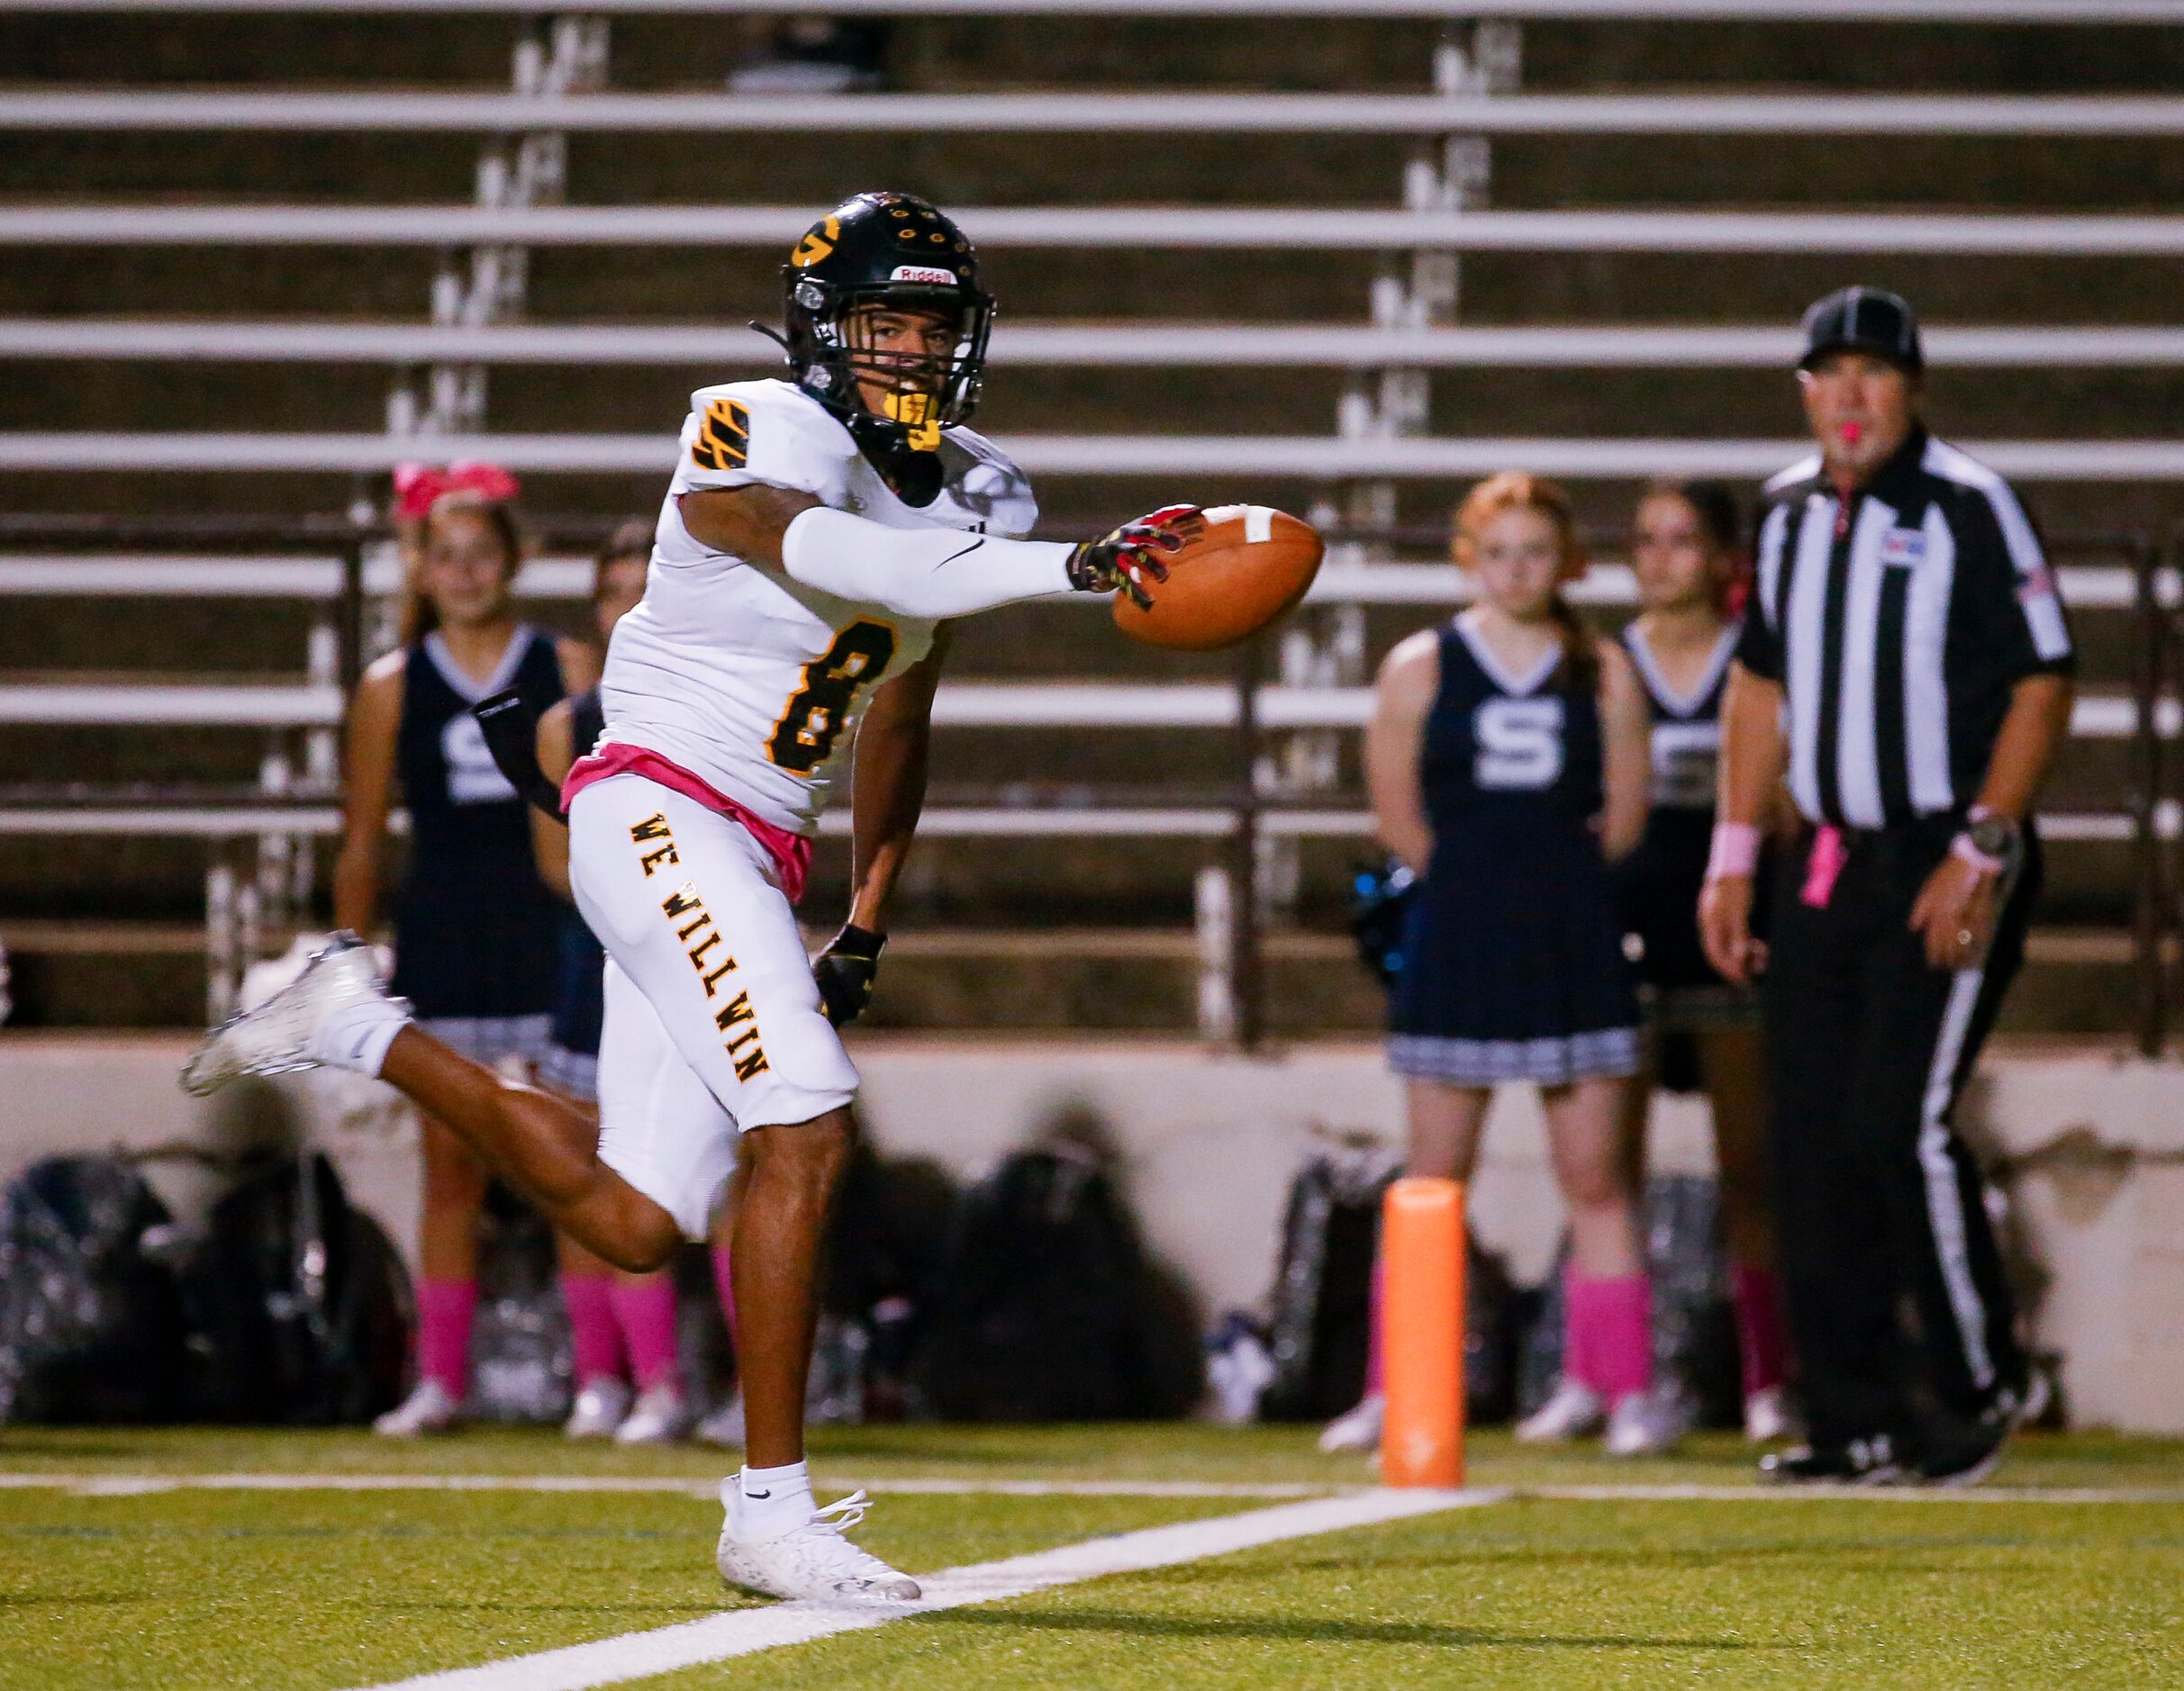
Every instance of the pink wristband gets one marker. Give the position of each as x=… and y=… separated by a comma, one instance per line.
x=1963, y=848
x=1735, y=850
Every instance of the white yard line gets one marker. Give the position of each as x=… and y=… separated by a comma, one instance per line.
x=137, y=1485
x=745, y=1631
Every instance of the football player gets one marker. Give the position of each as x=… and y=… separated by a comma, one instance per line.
x=818, y=535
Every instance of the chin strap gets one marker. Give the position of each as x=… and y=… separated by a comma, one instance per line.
x=914, y=475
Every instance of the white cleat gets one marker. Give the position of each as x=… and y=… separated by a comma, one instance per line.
x=308, y=1023
x=814, y=1561
x=724, y=1426
x=602, y=1407
x=1767, y=1417
x=1574, y=1411
x=1357, y=1428
x=1648, y=1423
x=428, y=1410
x=659, y=1417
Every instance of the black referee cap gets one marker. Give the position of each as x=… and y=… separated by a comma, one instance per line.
x=1863, y=320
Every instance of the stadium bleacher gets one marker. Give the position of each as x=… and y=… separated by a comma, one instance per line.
x=1372, y=248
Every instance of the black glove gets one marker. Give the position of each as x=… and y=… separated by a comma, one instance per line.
x=1129, y=556
x=845, y=971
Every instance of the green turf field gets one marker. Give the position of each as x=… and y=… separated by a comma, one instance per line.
x=110, y=1580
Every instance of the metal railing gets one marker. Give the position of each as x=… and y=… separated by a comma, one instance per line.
x=1095, y=228
x=1271, y=346
x=1317, y=459
x=1919, y=11
x=1092, y=113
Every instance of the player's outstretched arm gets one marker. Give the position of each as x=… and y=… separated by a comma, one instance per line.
x=927, y=573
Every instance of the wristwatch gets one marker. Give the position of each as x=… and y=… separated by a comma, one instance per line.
x=1992, y=835
x=1988, y=843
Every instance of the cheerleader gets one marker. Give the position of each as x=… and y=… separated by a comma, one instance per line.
x=476, y=929
x=1507, y=758
x=1704, y=1032
x=621, y=1326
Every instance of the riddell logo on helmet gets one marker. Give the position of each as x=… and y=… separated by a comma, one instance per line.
x=921, y=272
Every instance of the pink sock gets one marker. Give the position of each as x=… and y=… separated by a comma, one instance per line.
x=644, y=1311
x=1609, y=1333
x=444, y=1309
x=1377, y=1353
x=725, y=1284
x=1762, y=1345
x=595, y=1339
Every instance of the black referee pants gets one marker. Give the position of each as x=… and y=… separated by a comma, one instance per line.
x=1893, y=1284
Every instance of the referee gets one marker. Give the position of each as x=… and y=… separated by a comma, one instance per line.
x=1905, y=663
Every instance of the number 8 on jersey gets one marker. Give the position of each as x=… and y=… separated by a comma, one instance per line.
x=821, y=707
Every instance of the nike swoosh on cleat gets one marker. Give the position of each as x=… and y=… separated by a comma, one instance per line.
x=757, y=1497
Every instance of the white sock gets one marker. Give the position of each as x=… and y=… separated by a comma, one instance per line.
x=356, y=1035
x=764, y=1503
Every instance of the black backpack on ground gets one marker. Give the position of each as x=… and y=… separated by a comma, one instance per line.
x=1323, y=1297
x=522, y=1355
x=90, y=1327
x=298, y=1308
x=1049, y=1309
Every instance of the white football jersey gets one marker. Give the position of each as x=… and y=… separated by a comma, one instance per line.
x=750, y=681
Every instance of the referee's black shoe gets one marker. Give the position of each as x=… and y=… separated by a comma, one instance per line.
x=1854, y=1463
x=1954, y=1453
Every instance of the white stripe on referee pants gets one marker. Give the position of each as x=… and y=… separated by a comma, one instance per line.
x=1944, y=1192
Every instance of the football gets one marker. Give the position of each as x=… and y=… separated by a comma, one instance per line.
x=1245, y=569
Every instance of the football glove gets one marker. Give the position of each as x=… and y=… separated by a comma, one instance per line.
x=845, y=971
x=1126, y=558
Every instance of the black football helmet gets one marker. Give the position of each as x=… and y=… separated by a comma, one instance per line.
x=893, y=250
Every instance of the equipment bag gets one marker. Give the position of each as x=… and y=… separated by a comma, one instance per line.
x=522, y=1357
x=1049, y=1310
x=299, y=1309
x=90, y=1326
x=1322, y=1300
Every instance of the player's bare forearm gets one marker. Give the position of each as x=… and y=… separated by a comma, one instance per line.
x=1753, y=752
x=2039, y=717
x=893, y=755
x=745, y=522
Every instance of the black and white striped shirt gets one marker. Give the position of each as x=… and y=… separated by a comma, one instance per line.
x=1898, y=628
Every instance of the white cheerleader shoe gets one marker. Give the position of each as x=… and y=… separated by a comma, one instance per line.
x=431, y=1408
x=658, y=1416
x=1574, y=1410
x=600, y=1408
x=1357, y=1428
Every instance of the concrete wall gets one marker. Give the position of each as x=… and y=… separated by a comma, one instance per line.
x=2092, y=1146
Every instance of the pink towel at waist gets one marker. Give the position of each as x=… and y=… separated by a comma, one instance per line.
x=791, y=853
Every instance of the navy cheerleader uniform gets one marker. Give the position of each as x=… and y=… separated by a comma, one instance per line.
x=1514, y=968
x=1659, y=883
x=572, y=1055
x=476, y=929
